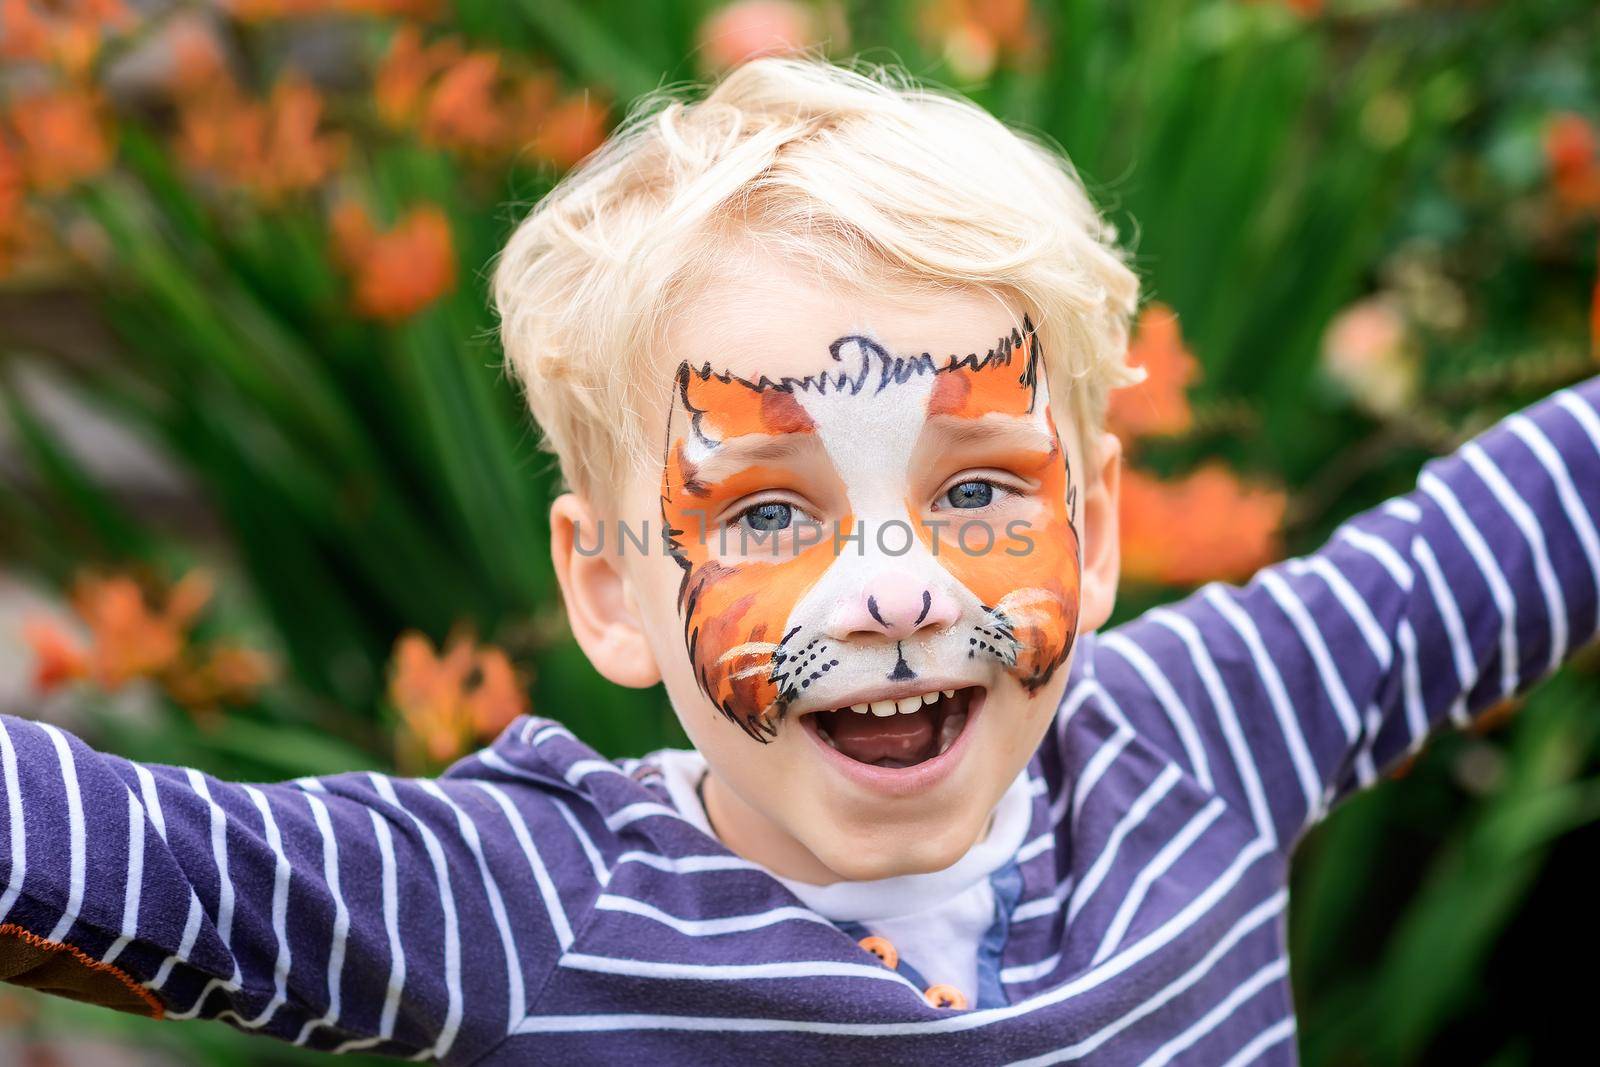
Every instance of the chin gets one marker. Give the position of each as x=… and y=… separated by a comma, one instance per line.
x=874, y=854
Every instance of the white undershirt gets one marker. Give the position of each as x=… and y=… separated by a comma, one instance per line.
x=936, y=920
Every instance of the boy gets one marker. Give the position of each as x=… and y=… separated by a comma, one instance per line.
x=824, y=361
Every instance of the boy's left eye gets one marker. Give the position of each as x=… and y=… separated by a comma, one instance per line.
x=768, y=518
x=974, y=493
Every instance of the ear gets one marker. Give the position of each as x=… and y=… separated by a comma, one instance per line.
x=1098, y=533
x=600, y=605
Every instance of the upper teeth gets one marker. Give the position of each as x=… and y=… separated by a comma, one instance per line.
x=903, y=706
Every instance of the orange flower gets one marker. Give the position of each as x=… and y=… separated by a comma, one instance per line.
x=67, y=35
x=424, y=10
x=749, y=29
x=135, y=635
x=27, y=34
x=480, y=104
x=131, y=638
x=297, y=156
x=1158, y=405
x=1569, y=143
x=408, y=68
x=1573, y=156
x=273, y=149
x=61, y=136
x=11, y=182
x=447, y=702
x=16, y=230
x=263, y=10
x=223, y=674
x=975, y=33
x=1206, y=525
x=352, y=232
x=574, y=128
x=194, y=53
x=1367, y=349
x=498, y=697
x=58, y=657
x=399, y=272
x=463, y=112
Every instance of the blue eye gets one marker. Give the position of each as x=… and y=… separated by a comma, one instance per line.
x=973, y=494
x=767, y=518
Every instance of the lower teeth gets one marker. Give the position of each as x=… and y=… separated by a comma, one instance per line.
x=950, y=729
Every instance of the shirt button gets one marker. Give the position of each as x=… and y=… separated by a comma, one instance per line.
x=945, y=996
x=881, y=948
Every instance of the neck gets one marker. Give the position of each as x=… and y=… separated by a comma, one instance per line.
x=746, y=832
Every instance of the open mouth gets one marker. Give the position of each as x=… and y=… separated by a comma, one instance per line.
x=897, y=733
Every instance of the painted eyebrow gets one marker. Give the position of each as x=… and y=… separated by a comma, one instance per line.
x=1015, y=432
x=749, y=450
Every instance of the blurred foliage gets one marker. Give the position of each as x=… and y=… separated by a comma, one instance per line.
x=1367, y=227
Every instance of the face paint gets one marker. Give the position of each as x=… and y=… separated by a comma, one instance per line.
x=822, y=621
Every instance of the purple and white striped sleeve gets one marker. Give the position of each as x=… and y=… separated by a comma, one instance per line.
x=354, y=912
x=1304, y=684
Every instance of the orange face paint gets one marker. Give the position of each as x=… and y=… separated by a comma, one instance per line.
x=1033, y=594
x=761, y=628
x=733, y=613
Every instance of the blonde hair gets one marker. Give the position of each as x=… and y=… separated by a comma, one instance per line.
x=865, y=174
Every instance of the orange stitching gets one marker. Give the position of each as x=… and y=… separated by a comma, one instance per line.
x=157, y=1011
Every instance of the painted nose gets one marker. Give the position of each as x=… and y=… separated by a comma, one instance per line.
x=895, y=605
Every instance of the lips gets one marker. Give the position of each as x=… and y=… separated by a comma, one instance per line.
x=897, y=733
x=889, y=778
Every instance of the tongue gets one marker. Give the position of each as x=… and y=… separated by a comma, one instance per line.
x=869, y=738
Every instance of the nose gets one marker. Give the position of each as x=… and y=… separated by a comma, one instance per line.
x=896, y=605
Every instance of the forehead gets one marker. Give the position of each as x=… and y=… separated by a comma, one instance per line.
x=765, y=317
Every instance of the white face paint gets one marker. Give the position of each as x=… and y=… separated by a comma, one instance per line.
x=919, y=521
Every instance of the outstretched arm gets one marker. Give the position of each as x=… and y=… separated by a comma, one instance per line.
x=329, y=912
x=1302, y=685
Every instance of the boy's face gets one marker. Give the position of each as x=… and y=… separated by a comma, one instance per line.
x=871, y=586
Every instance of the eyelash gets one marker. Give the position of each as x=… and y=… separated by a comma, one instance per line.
x=732, y=519
x=1001, y=486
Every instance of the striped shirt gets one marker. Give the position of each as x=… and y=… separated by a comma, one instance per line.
x=540, y=903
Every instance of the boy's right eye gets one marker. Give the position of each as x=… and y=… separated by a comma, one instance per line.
x=767, y=518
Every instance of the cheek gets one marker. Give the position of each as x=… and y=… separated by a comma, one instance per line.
x=734, y=617
x=1031, y=576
